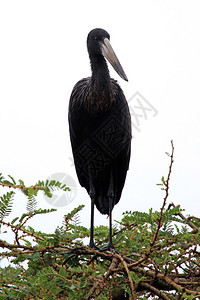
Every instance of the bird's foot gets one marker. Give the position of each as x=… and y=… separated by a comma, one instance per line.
x=93, y=246
x=72, y=254
x=109, y=247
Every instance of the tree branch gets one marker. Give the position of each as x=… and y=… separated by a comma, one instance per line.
x=148, y=287
x=166, y=184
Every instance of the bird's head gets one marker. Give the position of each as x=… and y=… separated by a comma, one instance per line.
x=98, y=44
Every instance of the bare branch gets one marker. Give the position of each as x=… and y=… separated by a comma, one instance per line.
x=166, y=184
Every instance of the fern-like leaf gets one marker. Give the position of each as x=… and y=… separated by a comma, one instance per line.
x=6, y=202
x=75, y=211
x=32, y=203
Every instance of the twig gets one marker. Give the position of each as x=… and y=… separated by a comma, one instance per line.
x=192, y=217
x=22, y=187
x=194, y=227
x=166, y=184
x=113, y=266
x=4, y=244
x=134, y=264
x=128, y=273
x=18, y=227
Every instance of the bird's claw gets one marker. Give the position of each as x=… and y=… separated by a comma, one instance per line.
x=72, y=254
x=109, y=247
x=93, y=246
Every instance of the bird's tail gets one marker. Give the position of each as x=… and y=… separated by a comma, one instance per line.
x=102, y=204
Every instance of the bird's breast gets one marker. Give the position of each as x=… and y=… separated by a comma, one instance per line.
x=98, y=100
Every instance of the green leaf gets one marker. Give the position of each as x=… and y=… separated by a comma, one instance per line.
x=14, y=220
x=13, y=180
x=21, y=182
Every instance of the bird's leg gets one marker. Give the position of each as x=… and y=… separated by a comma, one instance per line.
x=110, y=246
x=91, y=243
x=92, y=196
x=110, y=199
x=110, y=243
x=110, y=195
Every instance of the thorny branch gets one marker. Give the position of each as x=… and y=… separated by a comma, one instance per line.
x=166, y=188
x=21, y=186
x=16, y=228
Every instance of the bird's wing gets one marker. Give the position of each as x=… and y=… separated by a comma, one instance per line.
x=78, y=126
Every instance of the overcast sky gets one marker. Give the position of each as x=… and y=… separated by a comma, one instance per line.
x=43, y=54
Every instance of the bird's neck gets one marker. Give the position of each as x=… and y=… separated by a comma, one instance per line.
x=100, y=73
x=100, y=96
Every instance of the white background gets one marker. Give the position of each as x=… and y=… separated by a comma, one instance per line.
x=43, y=54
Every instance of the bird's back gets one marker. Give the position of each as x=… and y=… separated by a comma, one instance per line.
x=100, y=141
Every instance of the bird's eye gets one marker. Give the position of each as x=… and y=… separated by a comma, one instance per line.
x=96, y=38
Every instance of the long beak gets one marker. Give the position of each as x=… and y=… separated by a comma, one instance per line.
x=110, y=55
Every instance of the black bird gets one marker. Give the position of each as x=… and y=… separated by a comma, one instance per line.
x=100, y=130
